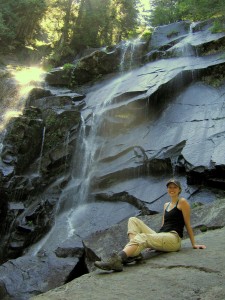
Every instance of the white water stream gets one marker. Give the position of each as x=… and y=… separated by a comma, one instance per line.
x=13, y=96
x=74, y=208
x=129, y=48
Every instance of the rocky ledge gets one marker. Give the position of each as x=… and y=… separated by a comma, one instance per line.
x=187, y=274
x=190, y=274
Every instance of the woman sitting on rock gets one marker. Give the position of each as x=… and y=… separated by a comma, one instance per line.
x=168, y=239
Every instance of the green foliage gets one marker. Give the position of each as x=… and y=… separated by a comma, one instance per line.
x=72, y=26
x=165, y=12
x=196, y=204
x=203, y=9
x=203, y=228
x=218, y=26
x=146, y=35
x=103, y=22
x=214, y=81
x=64, y=28
x=68, y=66
x=215, y=77
x=169, y=11
x=30, y=223
x=19, y=20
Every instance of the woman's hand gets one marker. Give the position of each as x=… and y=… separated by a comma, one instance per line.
x=199, y=247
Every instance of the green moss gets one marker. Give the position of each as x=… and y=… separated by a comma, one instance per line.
x=212, y=47
x=215, y=76
x=217, y=27
x=214, y=81
x=57, y=126
x=68, y=67
x=51, y=119
x=146, y=35
x=196, y=204
x=203, y=228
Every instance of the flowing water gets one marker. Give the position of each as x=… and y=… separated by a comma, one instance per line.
x=41, y=152
x=74, y=203
x=129, y=49
x=77, y=205
x=14, y=92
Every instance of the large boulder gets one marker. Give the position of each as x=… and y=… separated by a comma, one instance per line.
x=26, y=219
x=101, y=244
x=187, y=274
x=32, y=275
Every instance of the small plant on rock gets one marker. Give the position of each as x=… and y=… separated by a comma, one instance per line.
x=217, y=27
x=68, y=67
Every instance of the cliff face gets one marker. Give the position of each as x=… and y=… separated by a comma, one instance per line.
x=82, y=158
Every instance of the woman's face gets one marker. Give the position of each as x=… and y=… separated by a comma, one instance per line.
x=173, y=189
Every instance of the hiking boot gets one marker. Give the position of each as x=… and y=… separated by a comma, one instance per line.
x=136, y=258
x=113, y=263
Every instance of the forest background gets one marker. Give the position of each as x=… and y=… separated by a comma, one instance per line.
x=58, y=30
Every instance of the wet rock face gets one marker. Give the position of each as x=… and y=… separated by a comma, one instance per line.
x=164, y=117
x=97, y=64
x=165, y=36
x=7, y=84
x=23, y=140
x=131, y=133
x=3, y=210
x=36, y=93
x=86, y=69
x=34, y=275
x=37, y=148
x=31, y=225
x=177, y=99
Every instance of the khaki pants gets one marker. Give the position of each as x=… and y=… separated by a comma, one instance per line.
x=145, y=237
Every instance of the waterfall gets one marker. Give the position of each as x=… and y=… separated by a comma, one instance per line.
x=15, y=91
x=41, y=152
x=2, y=135
x=66, y=145
x=123, y=55
x=185, y=48
x=113, y=110
x=129, y=49
x=75, y=202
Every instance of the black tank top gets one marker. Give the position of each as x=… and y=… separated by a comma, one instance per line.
x=173, y=221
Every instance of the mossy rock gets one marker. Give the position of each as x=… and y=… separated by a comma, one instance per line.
x=58, y=126
x=22, y=142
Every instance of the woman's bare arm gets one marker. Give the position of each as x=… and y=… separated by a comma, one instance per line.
x=186, y=210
